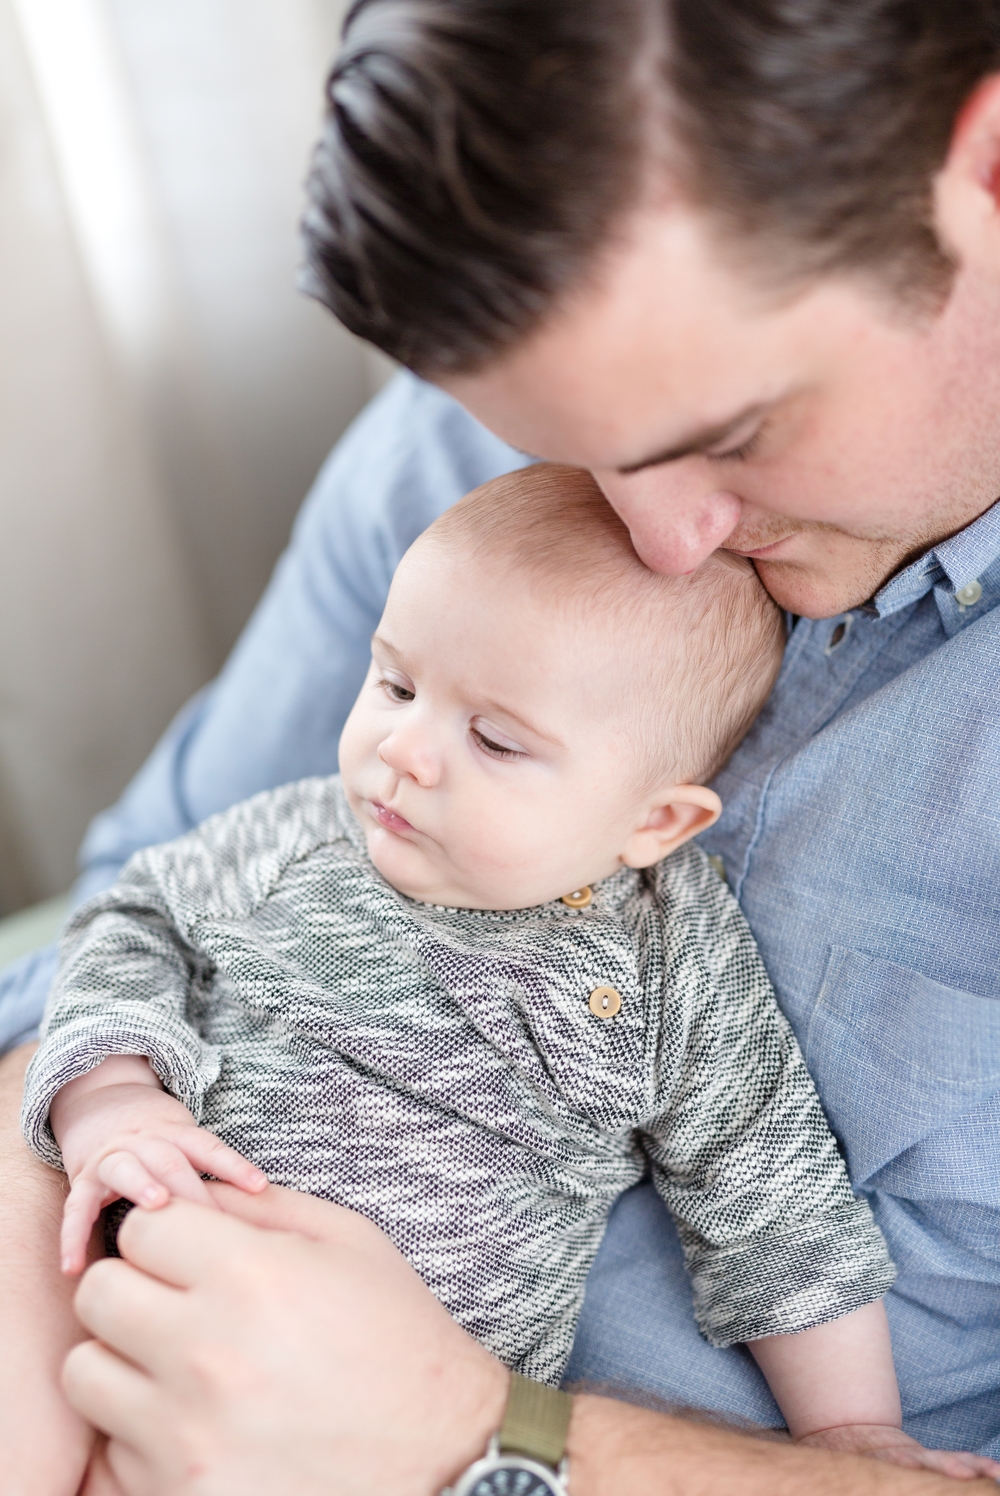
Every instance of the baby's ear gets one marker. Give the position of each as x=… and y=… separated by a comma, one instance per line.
x=672, y=817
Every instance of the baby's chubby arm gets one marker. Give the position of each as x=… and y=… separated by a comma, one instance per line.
x=122, y=1136
x=836, y=1386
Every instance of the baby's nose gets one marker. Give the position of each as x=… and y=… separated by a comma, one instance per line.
x=407, y=755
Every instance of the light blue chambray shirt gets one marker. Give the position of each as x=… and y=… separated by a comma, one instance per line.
x=862, y=837
x=861, y=834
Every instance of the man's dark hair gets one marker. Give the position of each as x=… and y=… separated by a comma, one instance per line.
x=479, y=154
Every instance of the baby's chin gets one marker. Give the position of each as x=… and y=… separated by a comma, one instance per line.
x=404, y=867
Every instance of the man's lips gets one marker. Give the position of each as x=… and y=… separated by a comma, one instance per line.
x=388, y=818
x=761, y=552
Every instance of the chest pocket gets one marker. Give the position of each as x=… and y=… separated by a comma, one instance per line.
x=897, y=1058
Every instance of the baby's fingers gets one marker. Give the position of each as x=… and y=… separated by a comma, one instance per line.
x=212, y=1156
x=83, y=1206
x=151, y=1174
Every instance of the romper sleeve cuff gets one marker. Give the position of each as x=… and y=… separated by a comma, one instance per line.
x=185, y=1065
x=786, y=1281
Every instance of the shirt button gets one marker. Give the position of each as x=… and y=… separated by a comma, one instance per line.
x=578, y=899
x=605, y=1002
x=969, y=595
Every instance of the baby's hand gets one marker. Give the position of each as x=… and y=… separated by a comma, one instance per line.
x=121, y=1135
x=883, y=1442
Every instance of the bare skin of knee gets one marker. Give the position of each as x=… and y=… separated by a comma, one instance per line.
x=46, y=1446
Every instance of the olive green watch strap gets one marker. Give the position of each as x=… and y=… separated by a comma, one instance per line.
x=536, y=1421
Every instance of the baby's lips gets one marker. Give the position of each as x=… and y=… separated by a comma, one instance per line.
x=390, y=819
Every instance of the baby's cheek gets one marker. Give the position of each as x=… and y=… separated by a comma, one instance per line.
x=351, y=752
x=513, y=850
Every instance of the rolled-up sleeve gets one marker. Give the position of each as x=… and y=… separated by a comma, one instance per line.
x=741, y=1152
x=134, y=977
x=124, y=987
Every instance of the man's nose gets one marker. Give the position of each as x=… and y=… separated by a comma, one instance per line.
x=409, y=753
x=676, y=516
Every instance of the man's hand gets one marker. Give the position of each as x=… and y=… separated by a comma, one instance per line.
x=99, y=1479
x=122, y=1136
x=883, y=1442
x=261, y=1361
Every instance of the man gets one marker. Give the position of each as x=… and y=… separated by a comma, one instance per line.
x=744, y=264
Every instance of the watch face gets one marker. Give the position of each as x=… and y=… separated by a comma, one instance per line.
x=510, y=1476
x=508, y=1480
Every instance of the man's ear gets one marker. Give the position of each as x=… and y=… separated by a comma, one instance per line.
x=676, y=813
x=967, y=188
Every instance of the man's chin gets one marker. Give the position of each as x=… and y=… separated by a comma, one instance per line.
x=809, y=594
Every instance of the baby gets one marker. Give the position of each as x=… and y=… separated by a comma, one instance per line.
x=479, y=984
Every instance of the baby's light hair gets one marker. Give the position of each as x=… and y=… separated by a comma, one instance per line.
x=700, y=652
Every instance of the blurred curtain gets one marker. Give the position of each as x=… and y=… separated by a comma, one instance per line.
x=165, y=395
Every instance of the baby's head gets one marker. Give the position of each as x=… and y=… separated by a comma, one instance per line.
x=542, y=709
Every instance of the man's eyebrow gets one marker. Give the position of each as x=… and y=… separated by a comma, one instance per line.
x=698, y=441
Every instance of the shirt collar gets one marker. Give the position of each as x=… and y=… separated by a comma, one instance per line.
x=953, y=564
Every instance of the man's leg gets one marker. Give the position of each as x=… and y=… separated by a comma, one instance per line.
x=947, y=1355
x=24, y=986
x=45, y=1446
x=638, y=1330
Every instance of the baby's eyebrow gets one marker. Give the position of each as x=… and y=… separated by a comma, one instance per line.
x=498, y=708
x=383, y=644
x=501, y=710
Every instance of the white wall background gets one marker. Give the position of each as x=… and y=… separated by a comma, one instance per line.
x=165, y=394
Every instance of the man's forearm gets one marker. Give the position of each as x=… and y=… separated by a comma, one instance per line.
x=615, y=1449
x=45, y=1445
x=282, y=1342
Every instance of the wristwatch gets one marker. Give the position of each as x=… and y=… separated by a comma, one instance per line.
x=528, y=1455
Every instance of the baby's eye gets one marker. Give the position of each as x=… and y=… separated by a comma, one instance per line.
x=395, y=691
x=493, y=748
